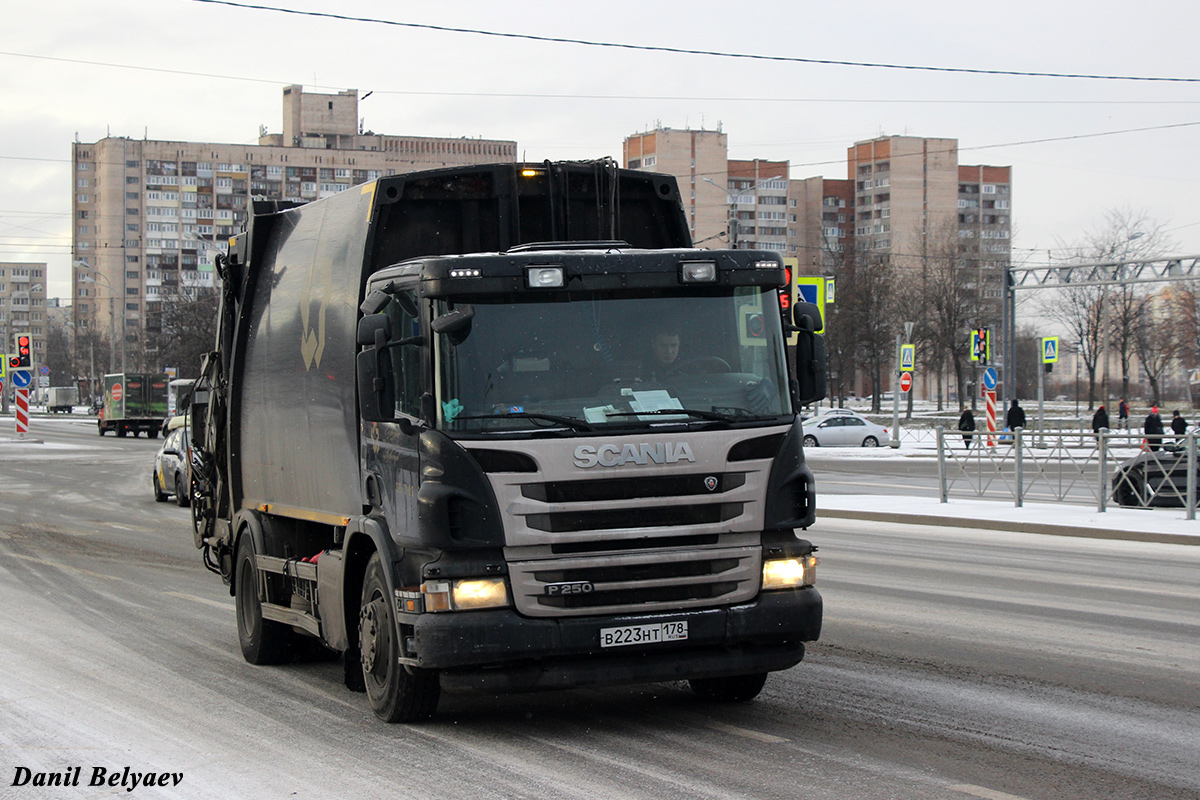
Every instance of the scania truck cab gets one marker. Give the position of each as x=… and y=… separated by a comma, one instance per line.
x=548, y=466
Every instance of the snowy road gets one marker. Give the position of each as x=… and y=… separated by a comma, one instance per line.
x=954, y=664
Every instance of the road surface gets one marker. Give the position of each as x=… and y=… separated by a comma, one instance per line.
x=954, y=664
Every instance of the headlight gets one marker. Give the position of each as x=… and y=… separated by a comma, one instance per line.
x=480, y=593
x=465, y=594
x=789, y=573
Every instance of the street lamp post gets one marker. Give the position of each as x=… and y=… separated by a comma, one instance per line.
x=112, y=314
x=732, y=221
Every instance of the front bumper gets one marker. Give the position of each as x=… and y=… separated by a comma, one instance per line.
x=503, y=651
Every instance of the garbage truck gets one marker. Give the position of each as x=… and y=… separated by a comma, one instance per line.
x=502, y=428
x=133, y=403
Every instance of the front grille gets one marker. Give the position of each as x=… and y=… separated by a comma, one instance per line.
x=596, y=491
x=657, y=517
x=637, y=582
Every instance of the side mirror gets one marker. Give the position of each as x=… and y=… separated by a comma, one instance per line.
x=376, y=388
x=370, y=326
x=807, y=317
x=811, y=367
x=455, y=324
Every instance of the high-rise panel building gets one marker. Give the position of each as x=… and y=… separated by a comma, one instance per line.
x=913, y=200
x=820, y=223
x=699, y=161
x=148, y=214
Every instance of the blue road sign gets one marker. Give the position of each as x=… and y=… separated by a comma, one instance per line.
x=1050, y=350
x=989, y=378
x=21, y=379
x=908, y=357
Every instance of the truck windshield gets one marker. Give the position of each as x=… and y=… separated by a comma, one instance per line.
x=601, y=360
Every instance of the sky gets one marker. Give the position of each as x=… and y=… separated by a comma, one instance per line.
x=205, y=71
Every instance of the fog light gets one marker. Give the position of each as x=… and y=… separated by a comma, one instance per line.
x=480, y=593
x=544, y=277
x=698, y=272
x=789, y=573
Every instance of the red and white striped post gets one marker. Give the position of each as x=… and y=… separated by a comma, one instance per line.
x=990, y=396
x=22, y=396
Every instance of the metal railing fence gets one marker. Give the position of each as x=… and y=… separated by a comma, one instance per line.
x=1070, y=466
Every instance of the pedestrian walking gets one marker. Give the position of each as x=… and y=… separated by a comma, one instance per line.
x=966, y=424
x=1015, y=418
x=1099, y=420
x=1153, y=429
x=1178, y=426
x=1123, y=414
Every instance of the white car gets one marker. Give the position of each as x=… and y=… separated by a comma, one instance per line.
x=171, y=469
x=841, y=427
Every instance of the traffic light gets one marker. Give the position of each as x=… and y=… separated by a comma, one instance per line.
x=787, y=298
x=981, y=345
x=21, y=359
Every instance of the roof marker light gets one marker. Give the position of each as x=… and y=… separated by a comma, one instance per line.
x=544, y=277
x=698, y=272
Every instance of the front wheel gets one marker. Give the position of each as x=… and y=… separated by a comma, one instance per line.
x=397, y=693
x=810, y=441
x=870, y=441
x=263, y=641
x=732, y=689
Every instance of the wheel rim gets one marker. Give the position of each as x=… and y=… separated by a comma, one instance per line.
x=870, y=441
x=374, y=639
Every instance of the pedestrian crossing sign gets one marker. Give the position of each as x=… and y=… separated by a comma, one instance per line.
x=908, y=357
x=810, y=289
x=1050, y=350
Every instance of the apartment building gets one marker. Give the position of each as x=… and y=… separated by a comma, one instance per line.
x=23, y=305
x=699, y=161
x=820, y=223
x=149, y=215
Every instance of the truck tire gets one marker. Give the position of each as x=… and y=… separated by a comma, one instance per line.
x=397, y=693
x=100, y=426
x=263, y=641
x=732, y=689
x=121, y=430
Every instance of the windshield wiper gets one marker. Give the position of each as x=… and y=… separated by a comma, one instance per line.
x=573, y=423
x=715, y=416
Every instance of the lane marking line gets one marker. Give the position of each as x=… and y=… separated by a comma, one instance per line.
x=980, y=791
x=746, y=733
x=204, y=600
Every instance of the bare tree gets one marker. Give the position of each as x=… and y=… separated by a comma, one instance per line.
x=1158, y=342
x=184, y=329
x=866, y=297
x=1122, y=235
x=949, y=292
x=1077, y=308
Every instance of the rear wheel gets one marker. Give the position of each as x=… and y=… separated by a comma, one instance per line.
x=397, y=693
x=181, y=495
x=870, y=441
x=263, y=641
x=731, y=689
x=159, y=495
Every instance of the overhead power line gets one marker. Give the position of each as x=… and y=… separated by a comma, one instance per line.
x=691, y=52
x=620, y=97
